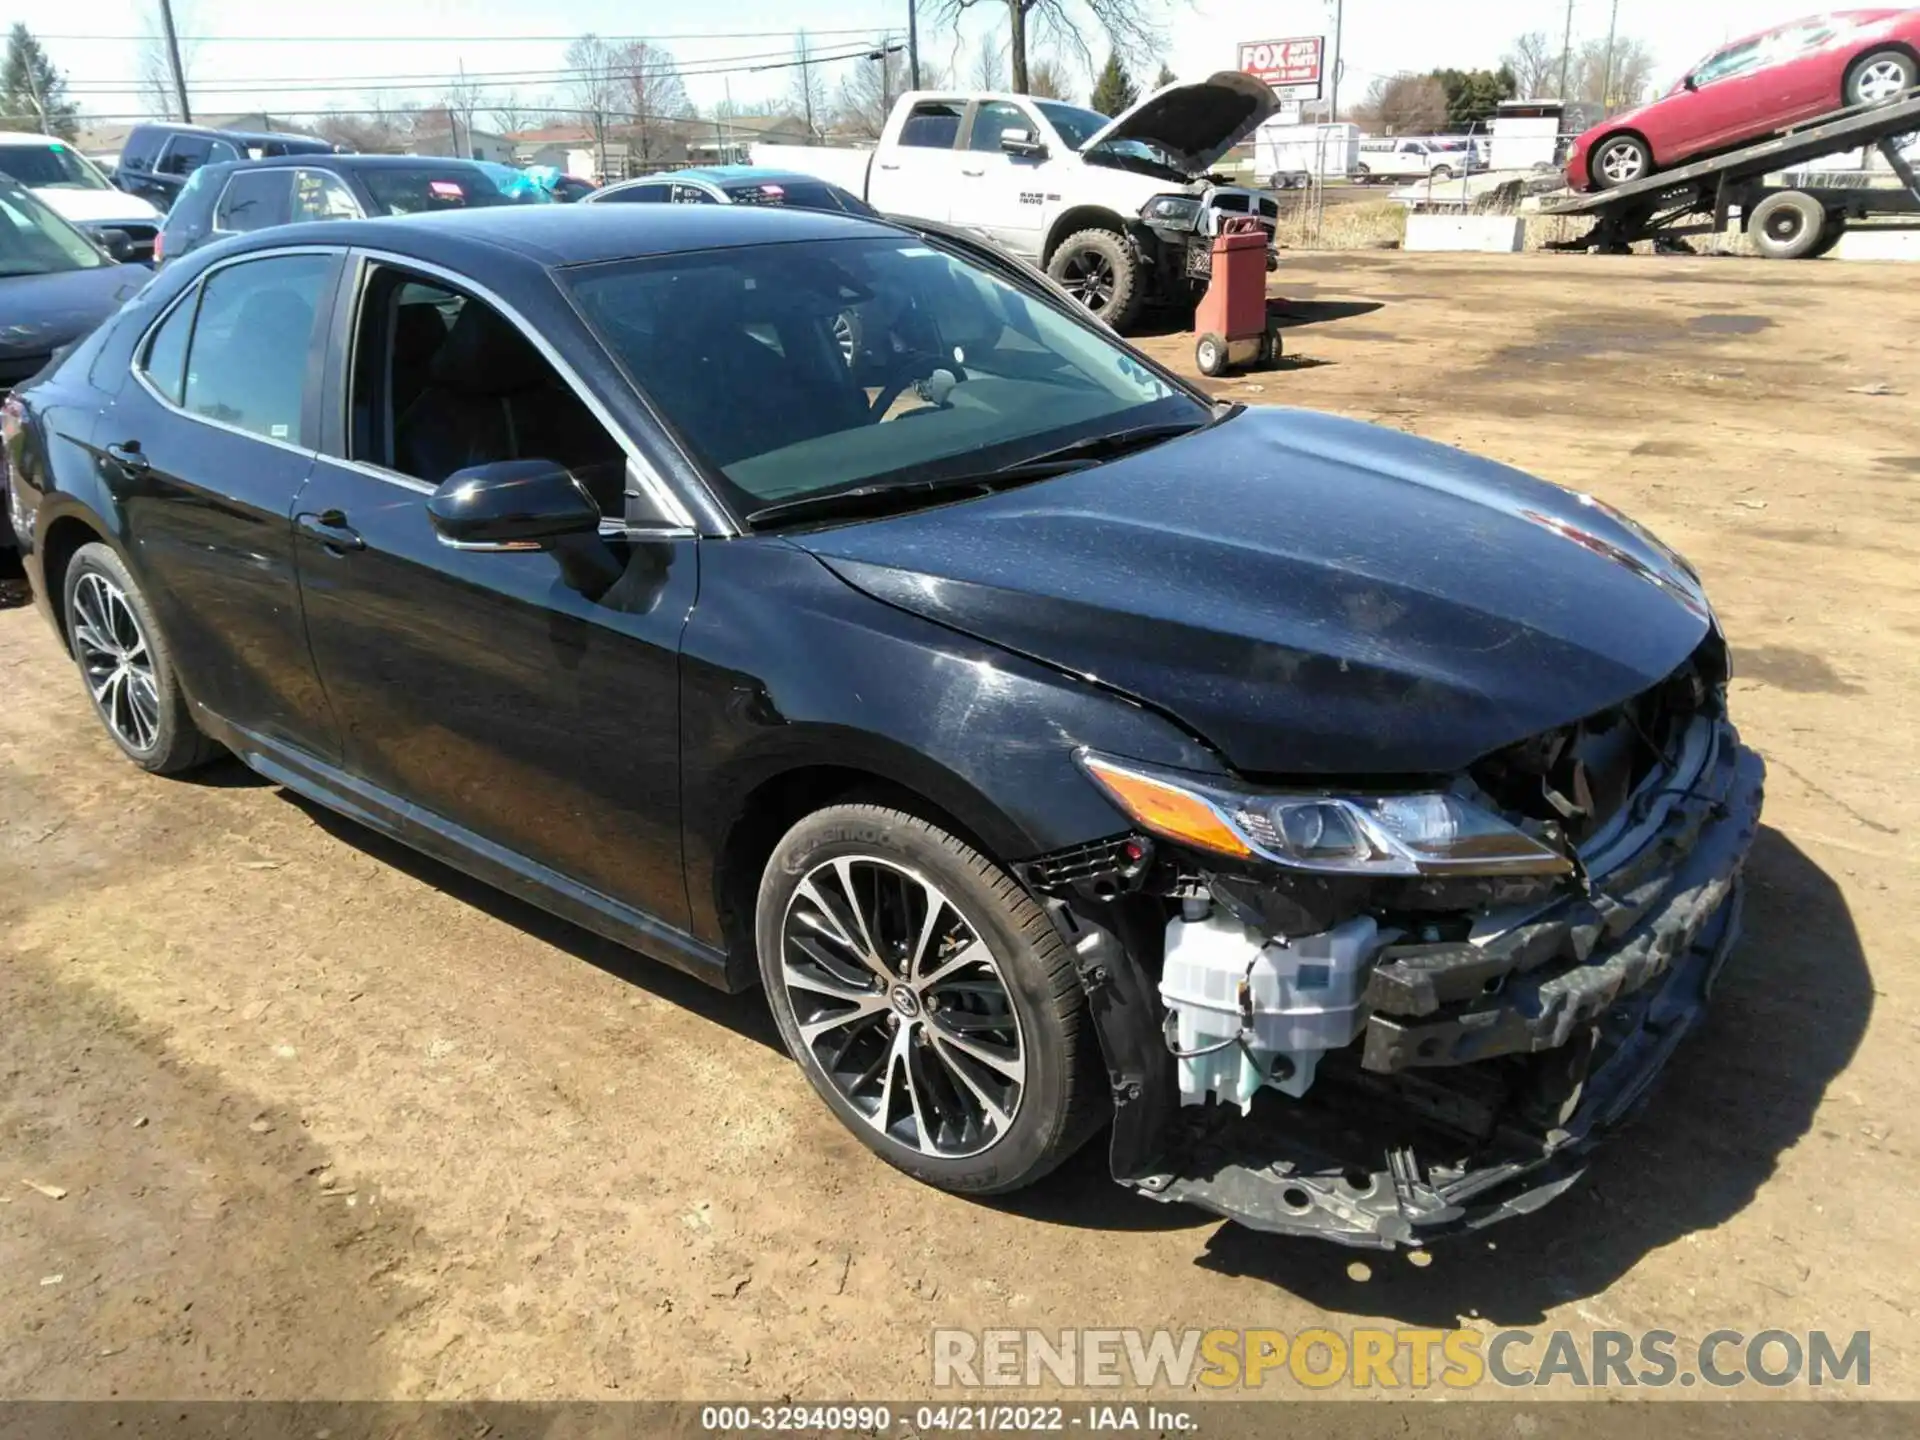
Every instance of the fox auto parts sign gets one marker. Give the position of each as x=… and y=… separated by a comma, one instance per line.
x=1292, y=67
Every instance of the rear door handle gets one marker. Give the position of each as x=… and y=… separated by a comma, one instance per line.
x=128, y=457
x=973, y=172
x=330, y=528
x=885, y=165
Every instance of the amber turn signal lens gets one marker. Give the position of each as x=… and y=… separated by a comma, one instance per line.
x=1166, y=809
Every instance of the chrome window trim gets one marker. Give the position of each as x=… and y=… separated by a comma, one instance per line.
x=138, y=365
x=666, y=500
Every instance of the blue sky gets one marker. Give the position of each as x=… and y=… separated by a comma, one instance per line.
x=246, y=68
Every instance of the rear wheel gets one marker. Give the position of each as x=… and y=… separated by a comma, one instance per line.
x=1098, y=268
x=127, y=667
x=1210, y=354
x=929, y=1000
x=1619, y=160
x=1787, y=226
x=1880, y=77
x=1441, y=172
x=1363, y=174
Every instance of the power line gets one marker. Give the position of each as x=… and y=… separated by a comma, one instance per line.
x=458, y=39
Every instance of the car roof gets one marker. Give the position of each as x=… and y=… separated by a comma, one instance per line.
x=553, y=236
x=28, y=137
x=213, y=131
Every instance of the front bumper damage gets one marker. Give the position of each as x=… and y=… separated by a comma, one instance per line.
x=1488, y=1068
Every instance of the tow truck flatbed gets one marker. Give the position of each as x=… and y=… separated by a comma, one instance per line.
x=1787, y=221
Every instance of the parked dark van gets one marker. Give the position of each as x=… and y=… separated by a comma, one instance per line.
x=158, y=158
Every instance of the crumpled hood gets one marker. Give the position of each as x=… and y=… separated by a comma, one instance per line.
x=96, y=207
x=1196, y=122
x=1312, y=595
x=40, y=313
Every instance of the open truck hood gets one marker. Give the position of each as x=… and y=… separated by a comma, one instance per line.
x=1195, y=122
x=1312, y=595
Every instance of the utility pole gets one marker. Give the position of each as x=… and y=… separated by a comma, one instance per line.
x=173, y=59
x=1566, y=54
x=913, y=47
x=1333, y=84
x=1606, y=85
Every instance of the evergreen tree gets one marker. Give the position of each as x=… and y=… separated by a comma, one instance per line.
x=1114, y=90
x=33, y=94
x=1165, y=78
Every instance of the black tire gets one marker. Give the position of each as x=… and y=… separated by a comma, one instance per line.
x=1063, y=1098
x=1635, y=162
x=1441, y=172
x=1787, y=226
x=1210, y=355
x=1829, y=237
x=1363, y=174
x=1876, y=70
x=176, y=744
x=1098, y=268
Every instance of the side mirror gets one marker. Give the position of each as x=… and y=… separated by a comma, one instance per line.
x=1689, y=84
x=118, y=244
x=511, y=505
x=1021, y=142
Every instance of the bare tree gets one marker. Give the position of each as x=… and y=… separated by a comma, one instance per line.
x=596, y=87
x=1615, y=81
x=870, y=88
x=989, y=68
x=463, y=100
x=1535, y=64
x=363, y=133
x=654, y=97
x=1127, y=24
x=1402, y=104
x=808, y=99
x=509, y=112
x=1048, y=78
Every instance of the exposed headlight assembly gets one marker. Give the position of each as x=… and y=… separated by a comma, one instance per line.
x=1435, y=833
x=1181, y=211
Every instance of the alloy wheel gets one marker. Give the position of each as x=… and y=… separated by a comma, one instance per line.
x=1882, y=80
x=1621, y=162
x=1087, y=275
x=117, y=661
x=902, y=1006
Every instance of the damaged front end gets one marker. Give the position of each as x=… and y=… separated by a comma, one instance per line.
x=1385, y=1017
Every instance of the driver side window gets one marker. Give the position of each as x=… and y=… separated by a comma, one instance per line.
x=442, y=381
x=1735, y=60
x=994, y=118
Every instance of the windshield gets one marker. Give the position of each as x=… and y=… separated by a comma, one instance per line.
x=35, y=241
x=52, y=165
x=805, y=368
x=416, y=190
x=1077, y=126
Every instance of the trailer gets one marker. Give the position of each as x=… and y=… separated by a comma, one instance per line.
x=1787, y=217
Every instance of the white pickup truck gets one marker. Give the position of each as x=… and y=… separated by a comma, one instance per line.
x=1121, y=212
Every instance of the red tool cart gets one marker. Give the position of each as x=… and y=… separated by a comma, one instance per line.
x=1231, y=320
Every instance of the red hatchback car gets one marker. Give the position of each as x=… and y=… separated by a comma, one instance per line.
x=1745, y=90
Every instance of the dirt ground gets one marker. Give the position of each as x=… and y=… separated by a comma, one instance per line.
x=332, y=1121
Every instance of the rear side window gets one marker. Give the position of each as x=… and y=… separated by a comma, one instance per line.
x=186, y=154
x=411, y=190
x=254, y=200
x=638, y=195
x=247, y=362
x=142, y=145
x=691, y=195
x=322, y=195
x=932, y=124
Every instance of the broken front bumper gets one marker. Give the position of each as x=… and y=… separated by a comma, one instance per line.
x=1611, y=979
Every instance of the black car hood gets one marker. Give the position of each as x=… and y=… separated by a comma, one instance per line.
x=40, y=313
x=1311, y=595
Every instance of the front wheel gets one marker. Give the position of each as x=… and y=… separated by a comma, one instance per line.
x=1210, y=355
x=1619, y=160
x=1098, y=268
x=127, y=666
x=1442, y=172
x=929, y=1000
x=1882, y=76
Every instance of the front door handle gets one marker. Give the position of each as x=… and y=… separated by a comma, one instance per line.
x=973, y=172
x=330, y=528
x=889, y=165
x=127, y=455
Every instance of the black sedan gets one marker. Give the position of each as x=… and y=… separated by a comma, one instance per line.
x=56, y=284
x=1353, y=824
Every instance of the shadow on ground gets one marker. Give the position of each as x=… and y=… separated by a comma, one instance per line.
x=746, y=1015
x=1740, y=1092
x=1292, y=314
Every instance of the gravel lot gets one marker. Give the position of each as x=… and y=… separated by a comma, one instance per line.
x=331, y=1120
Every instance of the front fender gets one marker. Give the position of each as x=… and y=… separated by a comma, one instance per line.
x=785, y=667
